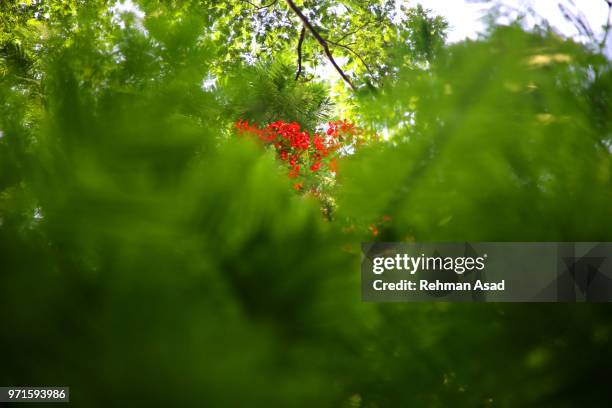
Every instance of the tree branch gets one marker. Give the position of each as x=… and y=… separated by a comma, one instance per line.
x=602, y=44
x=361, y=27
x=261, y=7
x=346, y=47
x=321, y=41
x=579, y=22
x=299, y=52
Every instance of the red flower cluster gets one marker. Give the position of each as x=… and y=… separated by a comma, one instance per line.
x=298, y=148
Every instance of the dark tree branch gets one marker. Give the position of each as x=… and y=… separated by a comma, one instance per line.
x=299, y=53
x=320, y=40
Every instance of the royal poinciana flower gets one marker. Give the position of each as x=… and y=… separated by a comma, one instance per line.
x=298, y=148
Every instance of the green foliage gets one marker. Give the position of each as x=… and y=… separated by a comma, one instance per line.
x=501, y=140
x=361, y=34
x=156, y=266
x=268, y=92
x=148, y=260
